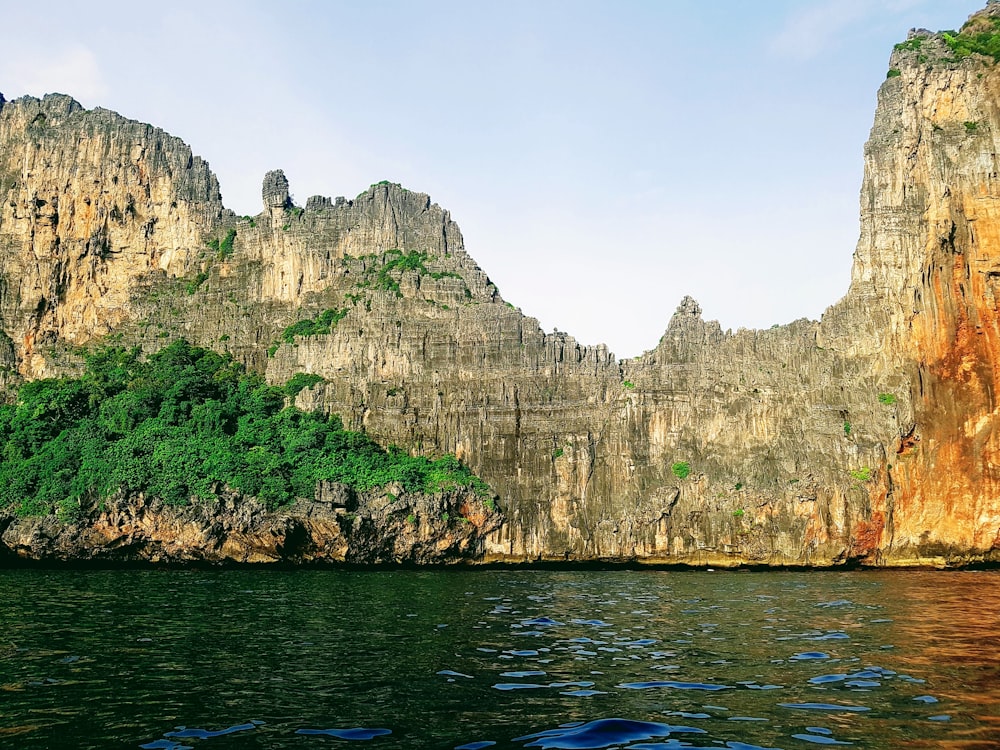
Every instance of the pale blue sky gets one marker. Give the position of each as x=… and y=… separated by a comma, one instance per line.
x=602, y=158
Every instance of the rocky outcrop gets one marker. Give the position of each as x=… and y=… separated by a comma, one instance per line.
x=869, y=436
x=338, y=526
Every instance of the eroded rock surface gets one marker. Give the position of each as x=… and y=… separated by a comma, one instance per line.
x=869, y=436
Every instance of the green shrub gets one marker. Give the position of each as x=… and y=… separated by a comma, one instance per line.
x=184, y=424
x=847, y=429
x=981, y=37
x=893, y=73
x=971, y=127
x=196, y=282
x=861, y=475
x=225, y=247
x=739, y=513
x=628, y=385
x=557, y=453
x=326, y=322
x=300, y=381
x=886, y=398
x=681, y=469
x=913, y=44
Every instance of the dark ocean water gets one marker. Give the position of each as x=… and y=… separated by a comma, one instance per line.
x=643, y=660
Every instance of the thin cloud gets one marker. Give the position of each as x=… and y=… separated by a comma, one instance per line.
x=74, y=71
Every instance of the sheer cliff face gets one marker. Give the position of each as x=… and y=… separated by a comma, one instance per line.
x=867, y=436
x=91, y=202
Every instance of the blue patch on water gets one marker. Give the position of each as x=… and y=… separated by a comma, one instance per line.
x=526, y=673
x=926, y=699
x=863, y=684
x=672, y=684
x=204, y=734
x=819, y=730
x=592, y=623
x=541, y=622
x=508, y=686
x=475, y=745
x=355, y=733
x=837, y=636
x=818, y=739
x=165, y=745
x=836, y=603
x=451, y=673
x=582, y=693
x=939, y=717
x=602, y=733
x=809, y=655
x=825, y=679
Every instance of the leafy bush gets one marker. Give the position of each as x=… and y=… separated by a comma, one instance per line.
x=326, y=321
x=196, y=282
x=847, y=429
x=300, y=381
x=886, y=398
x=893, y=73
x=185, y=424
x=861, y=475
x=971, y=127
x=681, y=469
x=913, y=44
x=980, y=36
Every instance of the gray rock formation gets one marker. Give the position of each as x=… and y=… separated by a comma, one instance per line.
x=870, y=436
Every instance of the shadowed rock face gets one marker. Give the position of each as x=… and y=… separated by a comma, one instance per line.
x=868, y=436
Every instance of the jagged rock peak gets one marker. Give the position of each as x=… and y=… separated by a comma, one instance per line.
x=275, y=190
x=689, y=306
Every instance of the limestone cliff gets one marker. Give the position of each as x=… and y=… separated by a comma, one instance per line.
x=870, y=436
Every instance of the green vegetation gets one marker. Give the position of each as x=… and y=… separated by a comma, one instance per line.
x=886, y=398
x=326, y=322
x=847, y=429
x=913, y=44
x=628, y=385
x=300, y=381
x=296, y=211
x=681, y=469
x=979, y=36
x=185, y=424
x=739, y=513
x=557, y=453
x=971, y=127
x=893, y=73
x=861, y=475
x=197, y=281
x=490, y=504
x=223, y=247
x=395, y=260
